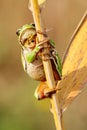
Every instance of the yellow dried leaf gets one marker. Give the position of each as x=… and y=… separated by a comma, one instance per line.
x=74, y=66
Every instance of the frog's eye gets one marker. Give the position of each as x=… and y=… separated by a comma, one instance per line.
x=18, y=32
x=31, y=43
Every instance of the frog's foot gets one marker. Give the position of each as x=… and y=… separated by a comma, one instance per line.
x=43, y=91
x=39, y=92
x=46, y=54
x=46, y=39
x=48, y=92
x=41, y=44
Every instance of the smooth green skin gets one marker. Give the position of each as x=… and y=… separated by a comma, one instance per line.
x=57, y=63
x=31, y=56
x=23, y=28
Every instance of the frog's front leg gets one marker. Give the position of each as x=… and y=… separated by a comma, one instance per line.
x=30, y=56
x=43, y=91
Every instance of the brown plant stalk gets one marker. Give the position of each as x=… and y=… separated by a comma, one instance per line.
x=47, y=65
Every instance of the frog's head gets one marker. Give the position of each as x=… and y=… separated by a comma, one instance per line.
x=26, y=35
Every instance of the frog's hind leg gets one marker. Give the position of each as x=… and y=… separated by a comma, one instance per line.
x=43, y=91
x=39, y=92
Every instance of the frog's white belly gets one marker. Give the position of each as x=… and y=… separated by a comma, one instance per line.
x=35, y=69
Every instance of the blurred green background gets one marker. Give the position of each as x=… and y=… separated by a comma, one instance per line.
x=19, y=110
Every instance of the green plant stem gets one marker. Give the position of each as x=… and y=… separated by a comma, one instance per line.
x=47, y=66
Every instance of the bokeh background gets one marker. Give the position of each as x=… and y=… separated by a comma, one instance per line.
x=19, y=110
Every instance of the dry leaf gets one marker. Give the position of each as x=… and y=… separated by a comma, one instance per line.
x=74, y=66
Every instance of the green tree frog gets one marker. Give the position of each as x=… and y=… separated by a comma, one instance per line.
x=31, y=50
